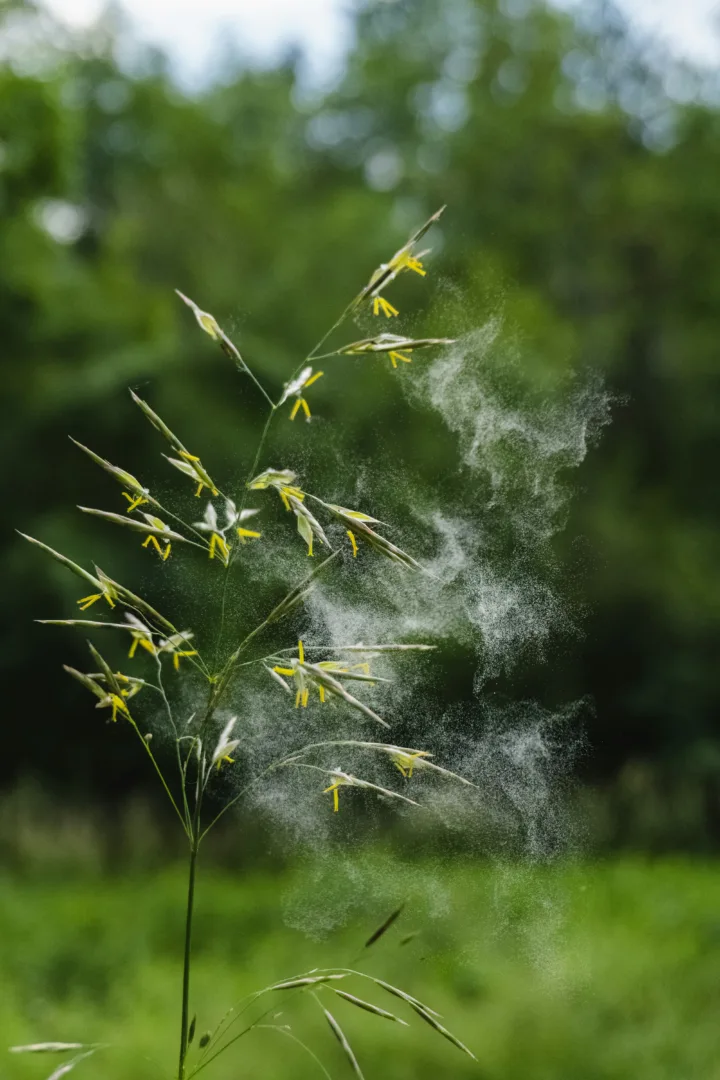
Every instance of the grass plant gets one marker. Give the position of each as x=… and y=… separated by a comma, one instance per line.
x=207, y=735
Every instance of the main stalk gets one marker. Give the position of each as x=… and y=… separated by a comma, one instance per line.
x=186, y=962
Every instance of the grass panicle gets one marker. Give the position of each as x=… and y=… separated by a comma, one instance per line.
x=209, y=742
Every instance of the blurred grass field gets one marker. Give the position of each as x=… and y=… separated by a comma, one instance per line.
x=604, y=970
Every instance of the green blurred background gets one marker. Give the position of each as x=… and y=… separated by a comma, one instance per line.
x=579, y=164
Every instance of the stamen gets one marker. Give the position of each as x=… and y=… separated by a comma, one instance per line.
x=380, y=304
x=88, y=601
x=139, y=500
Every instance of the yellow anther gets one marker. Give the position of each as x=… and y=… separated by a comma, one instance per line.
x=218, y=541
x=412, y=263
x=88, y=601
x=177, y=655
x=334, y=788
x=118, y=705
x=301, y=402
x=406, y=762
x=353, y=541
x=153, y=540
x=380, y=304
x=295, y=492
x=142, y=641
x=138, y=500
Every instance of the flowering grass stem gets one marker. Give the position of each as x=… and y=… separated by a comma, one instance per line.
x=187, y=958
x=204, y=744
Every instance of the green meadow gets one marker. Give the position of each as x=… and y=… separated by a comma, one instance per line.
x=599, y=971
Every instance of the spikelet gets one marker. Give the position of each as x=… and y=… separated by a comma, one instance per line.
x=394, y=346
x=188, y=464
x=357, y=525
x=139, y=493
x=404, y=259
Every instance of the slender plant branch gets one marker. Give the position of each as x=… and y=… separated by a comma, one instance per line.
x=187, y=960
x=290, y=1035
x=187, y=955
x=231, y=350
x=243, y=501
x=312, y=355
x=171, y=718
x=158, y=770
x=180, y=521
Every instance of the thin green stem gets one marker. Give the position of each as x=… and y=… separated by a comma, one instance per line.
x=158, y=770
x=187, y=957
x=233, y=352
x=278, y=612
x=144, y=614
x=171, y=718
x=289, y=1034
x=261, y=444
x=194, y=834
x=281, y=763
x=259, y=385
x=255, y=1023
x=327, y=355
x=179, y=520
x=227, y=1045
x=233, y=556
x=312, y=355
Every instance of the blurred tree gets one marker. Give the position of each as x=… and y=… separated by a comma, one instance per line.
x=578, y=163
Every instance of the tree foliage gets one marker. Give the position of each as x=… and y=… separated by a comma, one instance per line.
x=579, y=167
